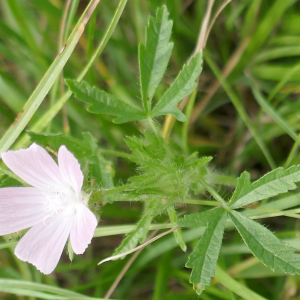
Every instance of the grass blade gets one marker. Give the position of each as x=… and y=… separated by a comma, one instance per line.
x=47, y=81
x=272, y=113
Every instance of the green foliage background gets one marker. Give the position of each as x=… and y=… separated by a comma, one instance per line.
x=247, y=120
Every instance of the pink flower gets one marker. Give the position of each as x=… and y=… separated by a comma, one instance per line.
x=54, y=206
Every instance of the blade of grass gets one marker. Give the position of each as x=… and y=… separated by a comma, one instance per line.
x=241, y=110
x=19, y=14
x=52, y=112
x=28, y=288
x=265, y=27
x=272, y=113
x=283, y=81
x=47, y=81
x=235, y=286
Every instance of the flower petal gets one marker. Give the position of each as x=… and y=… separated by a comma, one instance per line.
x=83, y=229
x=70, y=169
x=20, y=207
x=36, y=167
x=43, y=245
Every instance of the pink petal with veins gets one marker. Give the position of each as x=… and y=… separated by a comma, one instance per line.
x=20, y=208
x=70, y=169
x=43, y=245
x=35, y=166
x=83, y=229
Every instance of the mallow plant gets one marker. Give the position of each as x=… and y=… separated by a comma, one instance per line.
x=59, y=203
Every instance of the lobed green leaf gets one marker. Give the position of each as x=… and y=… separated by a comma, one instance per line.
x=273, y=183
x=183, y=85
x=203, y=259
x=104, y=103
x=265, y=245
x=154, y=56
x=201, y=219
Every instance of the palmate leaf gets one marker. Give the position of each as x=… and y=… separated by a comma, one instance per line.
x=200, y=219
x=273, y=183
x=203, y=259
x=138, y=235
x=183, y=85
x=104, y=103
x=265, y=245
x=154, y=56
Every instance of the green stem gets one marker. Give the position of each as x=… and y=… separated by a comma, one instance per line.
x=214, y=194
x=152, y=125
x=188, y=113
x=123, y=229
x=202, y=202
x=119, y=189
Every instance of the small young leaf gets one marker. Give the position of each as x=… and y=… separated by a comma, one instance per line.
x=177, y=233
x=104, y=103
x=265, y=245
x=138, y=235
x=273, y=183
x=183, y=85
x=203, y=259
x=201, y=219
x=154, y=57
x=136, y=145
x=102, y=171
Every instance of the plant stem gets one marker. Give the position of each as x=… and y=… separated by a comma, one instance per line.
x=202, y=202
x=214, y=194
x=153, y=127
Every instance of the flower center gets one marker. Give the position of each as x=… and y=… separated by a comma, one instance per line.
x=56, y=203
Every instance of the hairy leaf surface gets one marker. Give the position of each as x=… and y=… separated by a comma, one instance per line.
x=104, y=103
x=102, y=171
x=201, y=219
x=203, y=259
x=273, y=183
x=154, y=56
x=265, y=245
x=183, y=85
